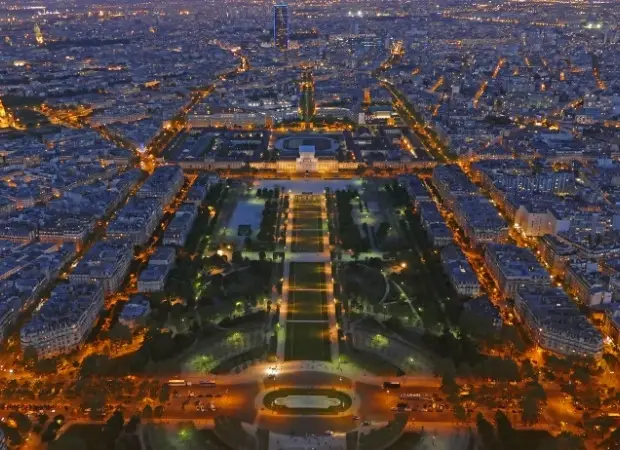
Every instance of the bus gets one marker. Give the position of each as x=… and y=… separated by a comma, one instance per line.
x=416, y=395
x=177, y=382
x=207, y=383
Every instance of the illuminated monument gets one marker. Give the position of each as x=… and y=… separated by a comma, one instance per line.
x=38, y=34
x=6, y=119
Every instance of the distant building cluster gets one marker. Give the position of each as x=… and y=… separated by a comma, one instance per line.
x=478, y=218
x=509, y=115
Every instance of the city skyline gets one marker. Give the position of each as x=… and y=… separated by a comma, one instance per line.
x=352, y=225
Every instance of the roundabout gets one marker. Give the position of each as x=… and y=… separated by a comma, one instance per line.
x=307, y=401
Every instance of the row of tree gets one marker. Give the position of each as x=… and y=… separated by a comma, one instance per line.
x=268, y=222
x=350, y=235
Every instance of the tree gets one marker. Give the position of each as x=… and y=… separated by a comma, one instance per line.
x=459, y=412
x=382, y=231
x=164, y=393
x=159, y=411
x=30, y=355
x=24, y=425
x=531, y=410
x=161, y=346
x=128, y=442
x=486, y=431
x=476, y=326
x=147, y=412
x=511, y=338
x=95, y=365
x=46, y=366
x=590, y=398
x=537, y=391
x=42, y=418
x=563, y=441
x=66, y=442
x=116, y=422
x=498, y=369
x=120, y=334
x=505, y=432
x=449, y=386
x=237, y=258
x=465, y=370
x=114, y=426
x=132, y=424
x=581, y=375
x=527, y=370
x=613, y=441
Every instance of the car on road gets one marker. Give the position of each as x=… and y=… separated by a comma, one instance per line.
x=401, y=408
x=356, y=417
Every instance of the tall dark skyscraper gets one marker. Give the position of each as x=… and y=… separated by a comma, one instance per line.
x=280, y=26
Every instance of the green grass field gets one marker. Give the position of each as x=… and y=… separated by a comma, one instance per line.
x=307, y=301
x=307, y=241
x=307, y=295
x=307, y=341
x=307, y=305
x=307, y=226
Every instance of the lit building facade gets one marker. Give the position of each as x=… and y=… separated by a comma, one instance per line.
x=64, y=321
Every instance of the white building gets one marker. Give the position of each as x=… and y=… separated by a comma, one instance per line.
x=532, y=220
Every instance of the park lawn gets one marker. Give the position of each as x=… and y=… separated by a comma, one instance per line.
x=307, y=305
x=307, y=241
x=307, y=275
x=363, y=281
x=307, y=214
x=90, y=434
x=307, y=341
x=369, y=362
x=307, y=295
x=307, y=228
x=307, y=218
x=406, y=441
